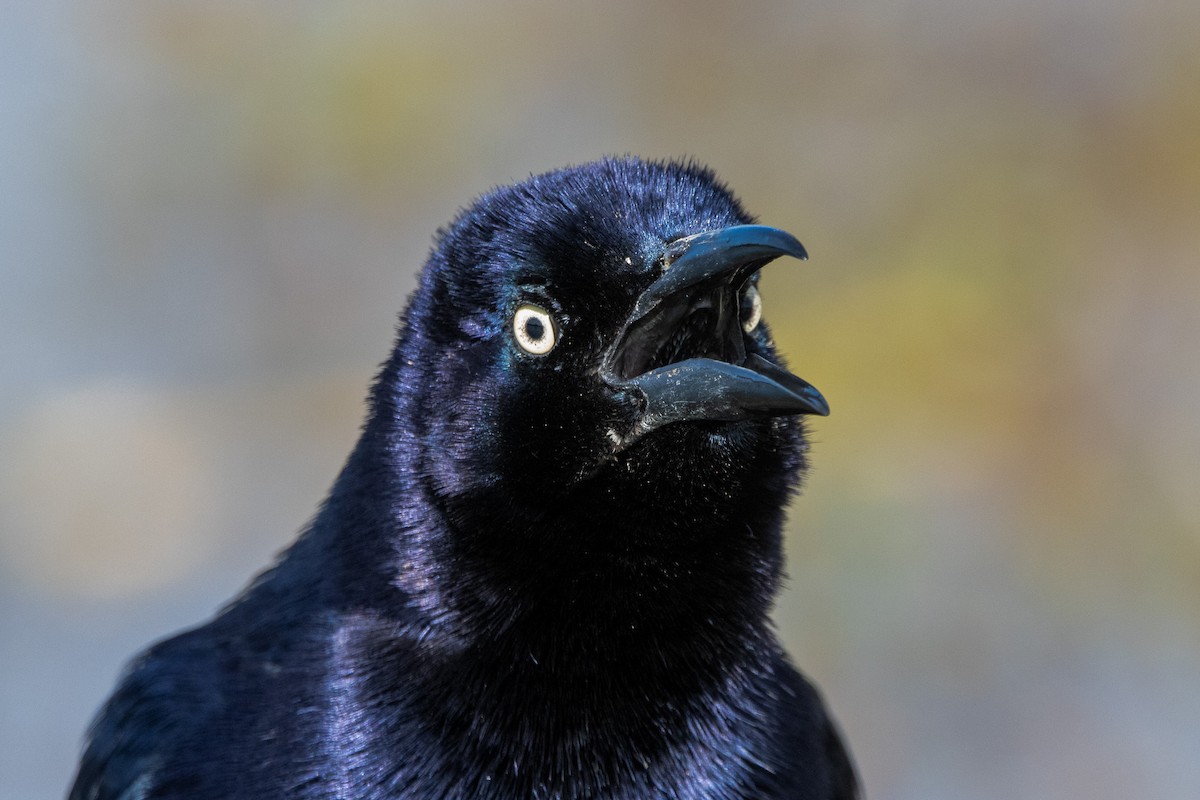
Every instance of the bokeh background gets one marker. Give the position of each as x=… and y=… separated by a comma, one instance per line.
x=211, y=213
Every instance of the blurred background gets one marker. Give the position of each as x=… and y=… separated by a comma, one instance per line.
x=212, y=212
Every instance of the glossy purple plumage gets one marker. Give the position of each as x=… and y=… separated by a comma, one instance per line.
x=492, y=603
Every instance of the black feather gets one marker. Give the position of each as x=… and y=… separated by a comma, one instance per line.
x=495, y=601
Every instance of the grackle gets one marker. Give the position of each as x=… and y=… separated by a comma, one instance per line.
x=546, y=568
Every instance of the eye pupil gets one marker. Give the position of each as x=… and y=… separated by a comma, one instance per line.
x=535, y=329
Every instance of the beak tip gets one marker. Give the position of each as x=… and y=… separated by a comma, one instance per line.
x=815, y=404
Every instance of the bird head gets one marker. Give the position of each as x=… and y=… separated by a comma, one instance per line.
x=597, y=334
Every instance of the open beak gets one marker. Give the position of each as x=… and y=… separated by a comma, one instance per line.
x=683, y=348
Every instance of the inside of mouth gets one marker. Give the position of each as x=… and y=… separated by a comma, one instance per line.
x=697, y=327
x=694, y=338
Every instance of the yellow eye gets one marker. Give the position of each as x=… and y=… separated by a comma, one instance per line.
x=751, y=308
x=534, y=329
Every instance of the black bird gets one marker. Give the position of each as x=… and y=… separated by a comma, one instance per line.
x=545, y=570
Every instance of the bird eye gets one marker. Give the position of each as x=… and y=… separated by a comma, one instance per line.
x=751, y=308
x=534, y=329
